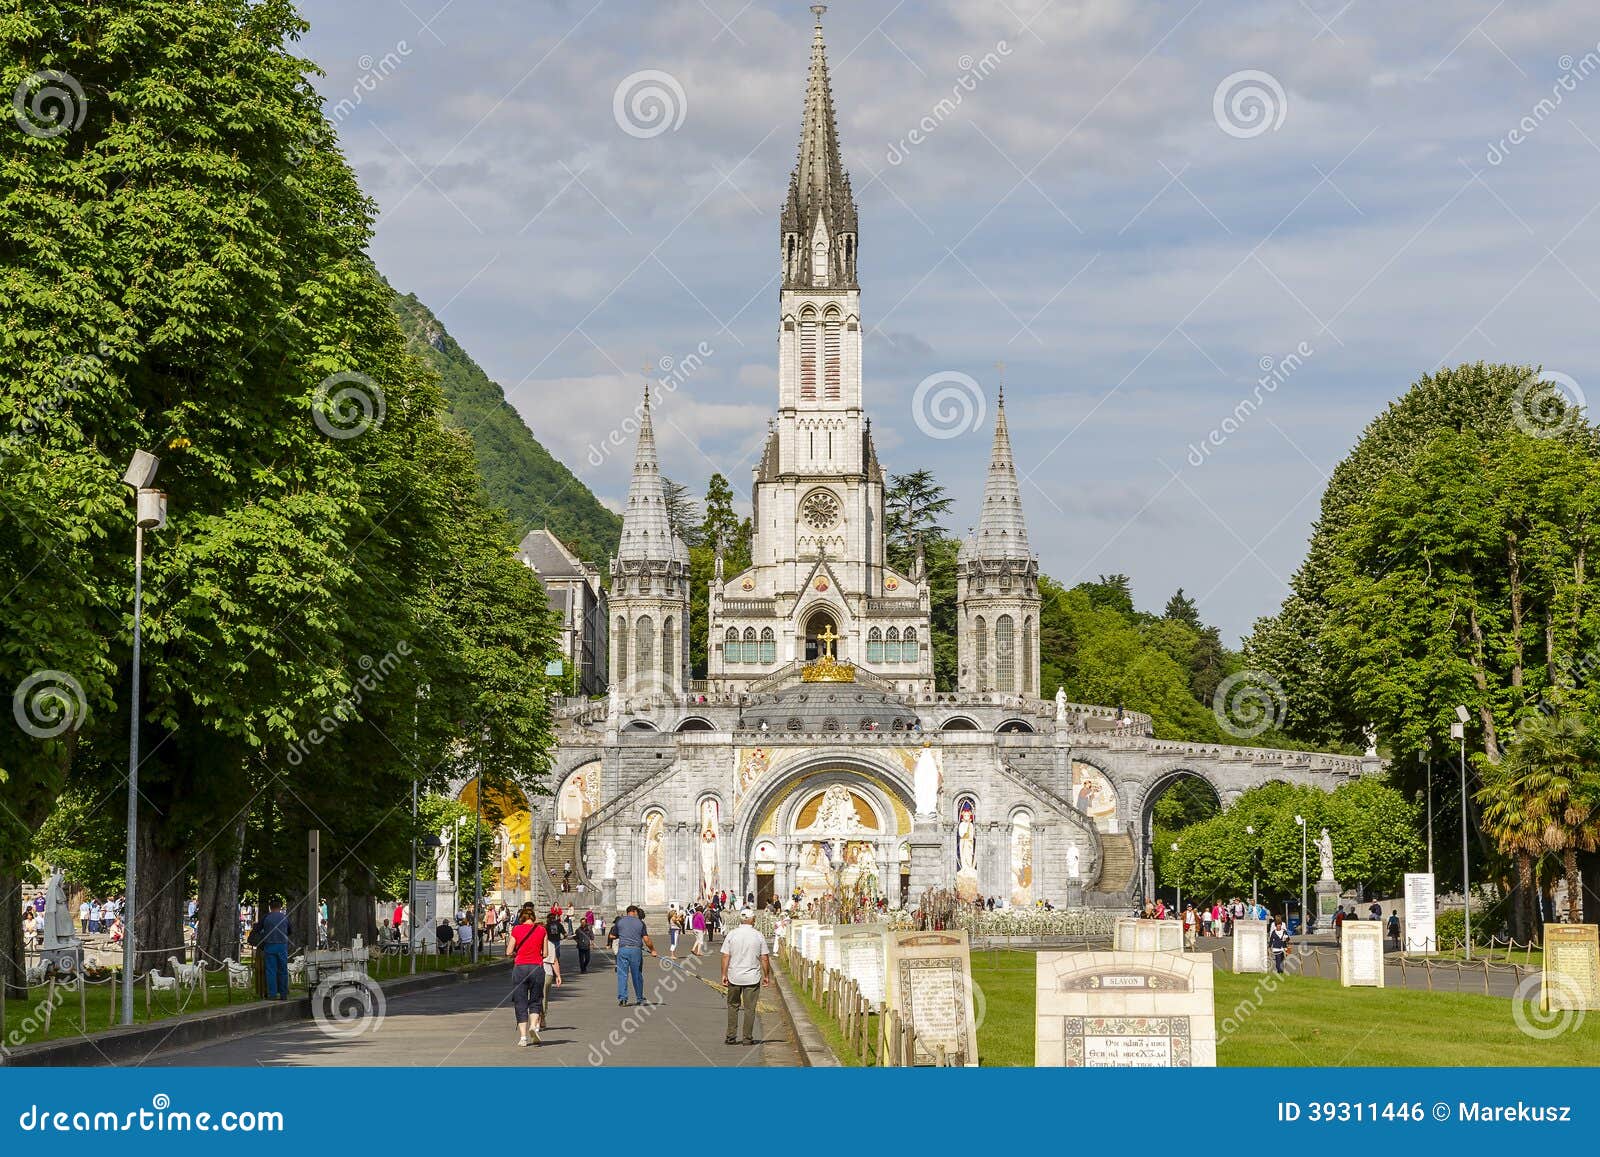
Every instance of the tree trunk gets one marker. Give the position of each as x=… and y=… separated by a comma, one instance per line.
x=163, y=890
x=1590, y=866
x=217, y=922
x=13, y=968
x=1491, y=742
x=1569, y=863
x=1522, y=900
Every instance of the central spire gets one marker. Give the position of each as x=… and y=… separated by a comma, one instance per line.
x=1002, y=532
x=819, y=214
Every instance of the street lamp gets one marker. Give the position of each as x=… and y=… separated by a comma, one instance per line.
x=411, y=899
x=150, y=512
x=1427, y=760
x=1177, y=882
x=1305, y=928
x=1458, y=731
x=1250, y=830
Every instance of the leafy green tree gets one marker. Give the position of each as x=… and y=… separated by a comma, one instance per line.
x=1182, y=609
x=913, y=506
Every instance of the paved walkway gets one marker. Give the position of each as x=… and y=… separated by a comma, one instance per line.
x=680, y=1024
x=1320, y=958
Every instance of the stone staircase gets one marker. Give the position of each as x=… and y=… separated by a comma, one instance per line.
x=556, y=851
x=1119, y=862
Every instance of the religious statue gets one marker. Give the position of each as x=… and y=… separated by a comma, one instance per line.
x=1325, y=854
x=867, y=865
x=1061, y=704
x=1072, y=861
x=925, y=783
x=966, y=841
x=708, y=861
x=58, y=931
x=441, y=858
x=614, y=701
x=1370, y=734
x=611, y=863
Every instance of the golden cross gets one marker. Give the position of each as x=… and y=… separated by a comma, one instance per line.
x=827, y=638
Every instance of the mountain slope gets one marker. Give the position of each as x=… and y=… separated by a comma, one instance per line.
x=518, y=474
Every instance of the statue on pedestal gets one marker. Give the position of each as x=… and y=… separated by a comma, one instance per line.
x=441, y=858
x=1072, y=861
x=925, y=780
x=1061, y=705
x=58, y=930
x=1325, y=854
x=611, y=863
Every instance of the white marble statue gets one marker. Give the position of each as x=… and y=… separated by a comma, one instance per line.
x=1061, y=705
x=58, y=931
x=614, y=701
x=925, y=782
x=966, y=845
x=708, y=862
x=441, y=857
x=1370, y=734
x=1072, y=861
x=1325, y=854
x=611, y=863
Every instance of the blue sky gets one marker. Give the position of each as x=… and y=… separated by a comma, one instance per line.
x=1141, y=208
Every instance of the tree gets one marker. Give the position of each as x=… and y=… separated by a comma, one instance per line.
x=913, y=505
x=683, y=513
x=1182, y=609
x=720, y=527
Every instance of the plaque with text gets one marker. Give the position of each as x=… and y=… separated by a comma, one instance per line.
x=864, y=958
x=1250, y=946
x=1571, y=967
x=930, y=985
x=1361, y=954
x=1420, y=910
x=1124, y=1010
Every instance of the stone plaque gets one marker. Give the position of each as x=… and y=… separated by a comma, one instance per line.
x=1361, y=954
x=806, y=938
x=1132, y=935
x=930, y=985
x=1420, y=908
x=1571, y=966
x=1250, y=946
x=1122, y=933
x=830, y=949
x=1124, y=1010
x=864, y=958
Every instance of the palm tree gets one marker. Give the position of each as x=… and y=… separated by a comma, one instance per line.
x=1516, y=832
x=1547, y=797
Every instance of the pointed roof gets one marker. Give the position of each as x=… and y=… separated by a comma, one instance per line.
x=819, y=188
x=646, y=529
x=1002, y=531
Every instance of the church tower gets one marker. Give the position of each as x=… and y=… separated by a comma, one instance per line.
x=997, y=585
x=819, y=583
x=649, y=584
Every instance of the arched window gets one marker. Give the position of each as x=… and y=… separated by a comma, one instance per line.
x=644, y=645
x=875, y=646
x=620, y=672
x=908, y=646
x=808, y=357
x=730, y=647
x=891, y=646
x=831, y=370
x=668, y=655
x=1029, y=687
x=980, y=653
x=750, y=652
x=769, y=646
x=1005, y=669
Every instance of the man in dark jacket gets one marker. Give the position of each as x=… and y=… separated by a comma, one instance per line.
x=271, y=936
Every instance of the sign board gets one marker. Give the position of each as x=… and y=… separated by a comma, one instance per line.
x=1361, y=954
x=830, y=949
x=1124, y=1010
x=864, y=958
x=930, y=985
x=1420, y=909
x=1571, y=967
x=1250, y=946
x=1130, y=934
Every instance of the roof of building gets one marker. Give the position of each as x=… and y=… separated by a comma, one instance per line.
x=1002, y=532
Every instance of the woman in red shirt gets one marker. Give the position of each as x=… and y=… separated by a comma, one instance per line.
x=526, y=947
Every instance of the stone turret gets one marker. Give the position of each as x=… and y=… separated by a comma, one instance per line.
x=997, y=584
x=649, y=583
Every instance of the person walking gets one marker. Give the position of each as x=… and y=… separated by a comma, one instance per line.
x=526, y=945
x=1394, y=928
x=1278, y=942
x=584, y=939
x=272, y=937
x=674, y=930
x=632, y=941
x=746, y=969
x=697, y=923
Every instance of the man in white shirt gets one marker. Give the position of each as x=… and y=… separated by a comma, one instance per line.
x=746, y=967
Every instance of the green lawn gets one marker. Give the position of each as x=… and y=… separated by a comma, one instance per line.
x=1309, y=1022
x=825, y=1024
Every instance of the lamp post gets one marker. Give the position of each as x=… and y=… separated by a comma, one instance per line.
x=150, y=512
x=1458, y=731
x=1177, y=882
x=1250, y=830
x=411, y=900
x=477, y=862
x=1305, y=928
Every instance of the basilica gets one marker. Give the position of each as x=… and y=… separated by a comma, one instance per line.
x=818, y=755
